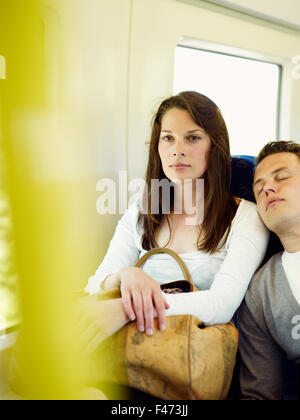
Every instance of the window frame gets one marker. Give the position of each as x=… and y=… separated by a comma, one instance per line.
x=284, y=66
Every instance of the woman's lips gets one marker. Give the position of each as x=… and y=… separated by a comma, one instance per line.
x=180, y=166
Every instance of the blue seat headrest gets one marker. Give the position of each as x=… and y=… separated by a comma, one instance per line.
x=243, y=167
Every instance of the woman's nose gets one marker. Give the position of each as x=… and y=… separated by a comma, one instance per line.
x=178, y=153
x=178, y=149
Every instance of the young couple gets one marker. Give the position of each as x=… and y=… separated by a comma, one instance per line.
x=223, y=253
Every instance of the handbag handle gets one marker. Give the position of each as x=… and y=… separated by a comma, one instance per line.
x=173, y=254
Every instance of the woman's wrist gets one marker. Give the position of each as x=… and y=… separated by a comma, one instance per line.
x=115, y=279
x=124, y=271
x=111, y=281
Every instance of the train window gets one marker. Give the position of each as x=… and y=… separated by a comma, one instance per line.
x=246, y=90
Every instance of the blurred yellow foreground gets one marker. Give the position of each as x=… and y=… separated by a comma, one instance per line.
x=52, y=198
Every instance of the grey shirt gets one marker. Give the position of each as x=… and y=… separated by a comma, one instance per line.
x=269, y=323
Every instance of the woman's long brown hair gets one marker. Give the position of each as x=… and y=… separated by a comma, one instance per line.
x=219, y=205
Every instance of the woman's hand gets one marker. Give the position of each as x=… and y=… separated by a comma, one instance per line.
x=98, y=320
x=142, y=299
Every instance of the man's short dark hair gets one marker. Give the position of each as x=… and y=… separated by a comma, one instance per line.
x=278, y=147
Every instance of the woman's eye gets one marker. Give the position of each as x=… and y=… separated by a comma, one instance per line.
x=167, y=138
x=194, y=138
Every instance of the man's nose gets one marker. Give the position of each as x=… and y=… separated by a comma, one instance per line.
x=270, y=187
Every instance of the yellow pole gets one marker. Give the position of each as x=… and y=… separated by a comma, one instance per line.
x=49, y=206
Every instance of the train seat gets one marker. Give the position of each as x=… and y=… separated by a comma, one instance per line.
x=242, y=167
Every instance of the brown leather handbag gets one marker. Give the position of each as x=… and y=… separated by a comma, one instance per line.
x=187, y=361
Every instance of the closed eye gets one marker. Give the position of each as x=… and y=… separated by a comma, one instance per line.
x=278, y=178
x=282, y=178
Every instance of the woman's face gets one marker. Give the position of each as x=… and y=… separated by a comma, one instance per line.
x=183, y=146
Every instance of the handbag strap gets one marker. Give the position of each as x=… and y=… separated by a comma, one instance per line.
x=173, y=254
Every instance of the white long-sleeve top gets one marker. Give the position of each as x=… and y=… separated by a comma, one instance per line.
x=222, y=277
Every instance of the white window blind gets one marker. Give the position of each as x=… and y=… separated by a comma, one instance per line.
x=247, y=91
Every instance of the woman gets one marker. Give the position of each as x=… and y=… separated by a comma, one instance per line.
x=189, y=141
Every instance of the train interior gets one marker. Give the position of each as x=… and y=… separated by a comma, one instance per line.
x=79, y=83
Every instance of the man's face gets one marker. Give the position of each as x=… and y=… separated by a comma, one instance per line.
x=277, y=191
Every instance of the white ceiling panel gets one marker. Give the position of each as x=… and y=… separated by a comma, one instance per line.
x=285, y=12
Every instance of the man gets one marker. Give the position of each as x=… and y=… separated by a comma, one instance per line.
x=269, y=317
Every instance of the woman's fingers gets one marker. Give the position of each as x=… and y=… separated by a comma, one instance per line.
x=160, y=306
x=127, y=303
x=143, y=306
x=93, y=343
x=148, y=312
x=86, y=337
x=143, y=299
x=138, y=309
